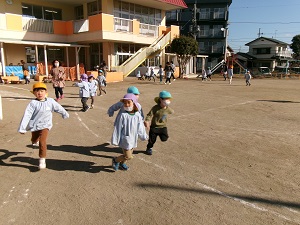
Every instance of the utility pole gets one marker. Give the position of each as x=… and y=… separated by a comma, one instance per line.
x=259, y=34
x=195, y=30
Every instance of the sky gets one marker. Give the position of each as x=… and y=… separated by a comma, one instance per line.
x=275, y=18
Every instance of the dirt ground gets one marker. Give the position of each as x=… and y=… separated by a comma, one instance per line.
x=232, y=158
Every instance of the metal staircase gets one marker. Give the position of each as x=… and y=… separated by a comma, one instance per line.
x=217, y=66
x=144, y=53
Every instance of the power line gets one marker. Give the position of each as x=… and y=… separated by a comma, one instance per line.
x=244, y=22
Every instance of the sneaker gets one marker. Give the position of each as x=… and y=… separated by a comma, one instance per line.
x=115, y=165
x=37, y=144
x=123, y=166
x=62, y=96
x=57, y=99
x=174, y=79
x=42, y=163
x=92, y=106
x=149, y=151
x=170, y=83
x=87, y=109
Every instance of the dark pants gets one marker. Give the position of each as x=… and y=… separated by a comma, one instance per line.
x=58, y=91
x=154, y=132
x=172, y=76
x=168, y=79
x=84, y=103
x=41, y=136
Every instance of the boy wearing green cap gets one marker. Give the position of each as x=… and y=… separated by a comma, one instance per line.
x=156, y=120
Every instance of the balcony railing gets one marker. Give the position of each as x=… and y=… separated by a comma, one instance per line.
x=124, y=25
x=80, y=26
x=37, y=25
x=2, y=22
x=147, y=29
x=284, y=54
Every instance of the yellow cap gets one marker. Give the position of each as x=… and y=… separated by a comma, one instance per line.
x=39, y=85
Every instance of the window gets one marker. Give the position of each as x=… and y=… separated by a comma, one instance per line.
x=141, y=13
x=78, y=12
x=261, y=51
x=219, y=13
x=204, y=13
x=96, y=54
x=52, y=54
x=41, y=12
x=204, y=31
x=94, y=8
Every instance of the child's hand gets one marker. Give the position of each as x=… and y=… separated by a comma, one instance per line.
x=147, y=125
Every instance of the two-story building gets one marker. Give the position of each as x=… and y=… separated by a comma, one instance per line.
x=84, y=32
x=211, y=20
x=266, y=52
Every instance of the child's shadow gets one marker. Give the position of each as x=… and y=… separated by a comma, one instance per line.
x=90, y=150
x=86, y=150
x=7, y=154
x=62, y=165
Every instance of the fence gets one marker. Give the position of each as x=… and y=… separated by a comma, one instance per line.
x=37, y=25
x=121, y=24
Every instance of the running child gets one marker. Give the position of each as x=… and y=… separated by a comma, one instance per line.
x=84, y=92
x=119, y=105
x=248, y=78
x=160, y=73
x=156, y=119
x=127, y=129
x=93, y=86
x=38, y=119
x=102, y=82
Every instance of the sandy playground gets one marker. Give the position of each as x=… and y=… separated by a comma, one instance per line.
x=232, y=158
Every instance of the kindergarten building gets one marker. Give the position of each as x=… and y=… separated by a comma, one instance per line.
x=83, y=34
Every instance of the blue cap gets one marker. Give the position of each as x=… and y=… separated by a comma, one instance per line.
x=165, y=94
x=133, y=90
x=100, y=71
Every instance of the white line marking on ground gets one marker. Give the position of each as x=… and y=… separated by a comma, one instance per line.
x=156, y=165
x=10, y=140
x=252, y=205
x=84, y=125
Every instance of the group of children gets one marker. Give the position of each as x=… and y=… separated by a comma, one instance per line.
x=88, y=86
x=129, y=124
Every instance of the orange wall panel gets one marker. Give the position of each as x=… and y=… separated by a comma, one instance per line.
x=59, y=27
x=95, y=22
x=69, y=27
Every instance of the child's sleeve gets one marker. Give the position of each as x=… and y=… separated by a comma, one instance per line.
x=26, y=118
x=149, y=115
x=142, y=134
x=116, y=137
x=114, y=108
x=59, y=109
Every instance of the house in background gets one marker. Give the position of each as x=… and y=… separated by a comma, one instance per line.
x=266, y=52
x=85, y=32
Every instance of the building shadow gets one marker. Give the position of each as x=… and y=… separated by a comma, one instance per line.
x=277, y=101
x=252, y=199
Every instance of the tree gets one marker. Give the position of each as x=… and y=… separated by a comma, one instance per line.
x=184, y=47
x=295, y=46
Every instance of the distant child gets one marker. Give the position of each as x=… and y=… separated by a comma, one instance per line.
x=84, y=92
x=160, y=73
x=209, y=73
x=248, y=78
x=119, y=105
x=102, y=82
x=38, y=119
x=204, y=76
x=127, y=129
x=152, y=75
x=230, y=73
x=139, y=76
x=156, y=119
x=168, y=70
x=93, y=86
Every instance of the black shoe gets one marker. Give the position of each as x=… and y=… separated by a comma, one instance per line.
x=149, y=151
